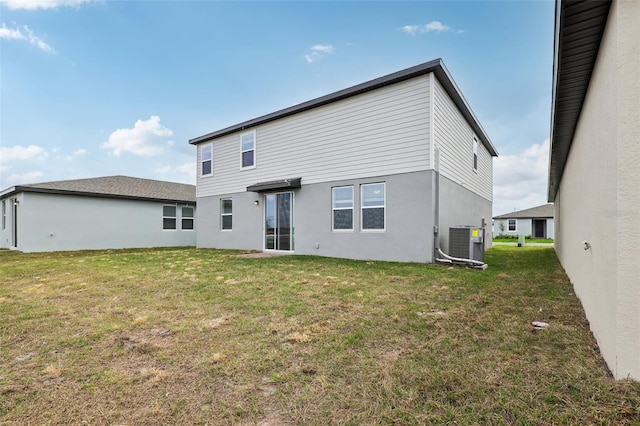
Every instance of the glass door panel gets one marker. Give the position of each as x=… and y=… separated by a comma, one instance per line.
x=279, y=221
x=270, y=222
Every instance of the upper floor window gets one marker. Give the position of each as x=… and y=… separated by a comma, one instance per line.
x=248, y=149
x=373, y=203
x=475, y=154
x=187, y=217
x=512, y=225
x=206, y=159
x=226, y=214
x=169, y=217
x=342, y=205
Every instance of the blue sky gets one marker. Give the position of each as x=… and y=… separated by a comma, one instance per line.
x=97, y=88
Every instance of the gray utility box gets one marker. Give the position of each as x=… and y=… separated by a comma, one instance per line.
x=466, y=242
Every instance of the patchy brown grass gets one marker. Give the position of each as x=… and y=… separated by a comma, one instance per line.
x=185, y=336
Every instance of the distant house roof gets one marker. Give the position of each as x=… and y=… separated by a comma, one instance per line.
x=540, y=212
x=578, y=30
x=436, y=66
x=113, y=187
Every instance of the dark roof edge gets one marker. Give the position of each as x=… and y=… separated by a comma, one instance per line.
x=436, y=66
x=558, y=154
x=18, y=189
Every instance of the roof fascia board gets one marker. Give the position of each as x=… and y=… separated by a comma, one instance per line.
x=436, y=66
x=567, y=12
x=18, y=189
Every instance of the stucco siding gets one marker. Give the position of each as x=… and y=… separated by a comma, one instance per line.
x=598, y=199
x=408, y=201
x=453, y=136
x=381, y=132
x=461, y=206
x=54, y=222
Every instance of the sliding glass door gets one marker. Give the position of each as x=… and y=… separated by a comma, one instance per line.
x=278, y=217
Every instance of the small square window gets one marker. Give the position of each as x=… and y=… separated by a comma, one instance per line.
x=187, y=218
x=169, y=218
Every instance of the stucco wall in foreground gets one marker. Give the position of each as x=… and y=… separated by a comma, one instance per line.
x=598, y=200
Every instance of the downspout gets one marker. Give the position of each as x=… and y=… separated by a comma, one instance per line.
x=436, y=203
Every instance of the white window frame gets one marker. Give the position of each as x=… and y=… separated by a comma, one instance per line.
x=4, y=214
x=202, y=159
x=334, y=208
x=174, y=217
x=515, y=225
x=383, y=206
x=474, y=159
x=242, y=150
x=192, y=218
x=223, y=215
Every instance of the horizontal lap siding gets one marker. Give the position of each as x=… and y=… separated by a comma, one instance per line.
x=453, y=136
x=381, y=132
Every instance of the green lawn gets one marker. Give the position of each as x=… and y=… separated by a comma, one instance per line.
x=186, y=336
x=528, y=240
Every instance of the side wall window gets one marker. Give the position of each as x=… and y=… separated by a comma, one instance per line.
x=4, y=214
x=372, y=203
x=248, y=150
x=206, y=160
x=169, y=217
x=187, y=217
x=475, y=154
x=342, y=206
x=226, y=214
x=512, y=225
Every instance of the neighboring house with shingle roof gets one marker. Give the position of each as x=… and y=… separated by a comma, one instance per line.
x=536, y=221
x=97, y=213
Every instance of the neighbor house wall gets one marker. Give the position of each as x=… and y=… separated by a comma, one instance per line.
x=523, y=227
x=53, y=222
x=598, y=200
x=380, y=132
x=408, y=225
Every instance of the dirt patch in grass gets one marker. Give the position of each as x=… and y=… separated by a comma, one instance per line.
x=185, y=336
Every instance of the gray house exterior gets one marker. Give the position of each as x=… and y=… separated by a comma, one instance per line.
x=536, y=221
x=352, y=174
x=97, y=213
x=593, y=174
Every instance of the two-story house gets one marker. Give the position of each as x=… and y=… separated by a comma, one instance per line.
x=379, y=171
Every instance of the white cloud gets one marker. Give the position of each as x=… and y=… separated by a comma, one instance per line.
x=42, y=4
x=19, y=152
x=75, y=154
x=146, y=138
x=24, y=178
x=185, y=173
x=24, y=33
x=318, y=51
x=520, y=181
x=433, y=26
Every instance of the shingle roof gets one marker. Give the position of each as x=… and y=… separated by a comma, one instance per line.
x=114, y=187
x=435, y=66
x=543, y=211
